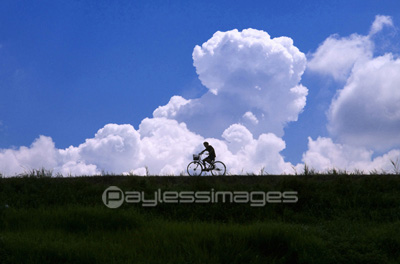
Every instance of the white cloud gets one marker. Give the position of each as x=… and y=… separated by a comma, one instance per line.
x=238, y=137
x=379, y=23
x=323, y=155
x=243, y=154
x=337, y=56
x=252, y=80
x=234, y=56
x=254, y=90
x=365, y=115
x=366, y=112
x=167, y=145
x=115, y=148
x=250, y=117
x=77, y=168
x=41, y=154
x=264, y=154
x=171, y=109
x=159, y=147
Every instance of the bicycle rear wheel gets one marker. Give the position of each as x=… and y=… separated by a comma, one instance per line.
x=194, y=168
x=219, y=169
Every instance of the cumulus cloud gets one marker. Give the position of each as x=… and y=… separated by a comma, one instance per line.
x=41, y=154
x=171, y=109
x=366, y=112
x=76, y=168
x=115, y=148
x=264, y=154
x=160, y=147
x=249, y=116
x=336, y=56
x=251, y=79
x=364, y=116
x=379, y=23
x=323, y=154
x=237, y=137
x=167, y=145
x=254, y=90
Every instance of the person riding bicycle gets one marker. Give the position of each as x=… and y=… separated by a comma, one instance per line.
x=211, y=154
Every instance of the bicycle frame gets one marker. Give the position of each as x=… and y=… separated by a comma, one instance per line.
x=198, y=166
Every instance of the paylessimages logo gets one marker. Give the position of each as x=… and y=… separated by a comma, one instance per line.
x=114, y=197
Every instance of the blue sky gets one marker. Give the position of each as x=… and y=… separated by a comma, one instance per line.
x=68, y=68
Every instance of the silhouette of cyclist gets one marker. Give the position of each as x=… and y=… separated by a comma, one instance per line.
x=211, y=154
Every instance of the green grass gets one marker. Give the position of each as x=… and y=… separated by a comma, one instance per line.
x=338, y=219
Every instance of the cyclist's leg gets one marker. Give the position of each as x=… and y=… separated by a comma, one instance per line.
x=212, y=163
x=209, y=161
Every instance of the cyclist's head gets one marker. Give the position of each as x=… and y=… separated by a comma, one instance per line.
x=206, y=144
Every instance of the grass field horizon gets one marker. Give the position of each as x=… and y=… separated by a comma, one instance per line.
x=338, y=218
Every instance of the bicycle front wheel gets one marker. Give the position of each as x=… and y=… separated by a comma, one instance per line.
x=194, y=168
x=219, y=169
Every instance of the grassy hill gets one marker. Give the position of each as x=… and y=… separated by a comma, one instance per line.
x=337, y=219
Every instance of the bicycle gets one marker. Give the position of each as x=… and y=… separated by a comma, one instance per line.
x=196, y=167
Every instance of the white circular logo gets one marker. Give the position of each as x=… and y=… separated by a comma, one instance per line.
x=113, y=197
